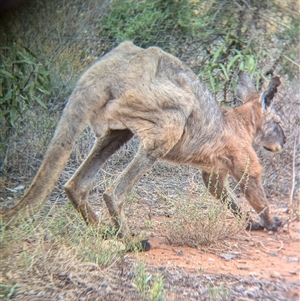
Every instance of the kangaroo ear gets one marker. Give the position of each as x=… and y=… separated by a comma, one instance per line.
x=268, y=95
x=245, y=86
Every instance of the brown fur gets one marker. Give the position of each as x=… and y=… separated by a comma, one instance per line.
x=151, y=94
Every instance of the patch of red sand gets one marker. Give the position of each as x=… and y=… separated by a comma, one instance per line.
x=258, y=254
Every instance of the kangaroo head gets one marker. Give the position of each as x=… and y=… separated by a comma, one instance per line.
x=270, y=134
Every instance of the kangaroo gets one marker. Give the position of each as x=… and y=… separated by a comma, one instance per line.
x=151, y=94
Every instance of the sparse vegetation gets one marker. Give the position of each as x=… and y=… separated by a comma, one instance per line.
x=201, y=221
x=150, y=287
x=7, y=291
x=57, y=255
x=228, y=35
x=218, y=292
x=61, y=227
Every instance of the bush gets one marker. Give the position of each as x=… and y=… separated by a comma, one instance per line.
x=23, y=81
x=201, y=222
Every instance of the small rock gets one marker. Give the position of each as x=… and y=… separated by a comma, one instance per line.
x=240, y=288
x=228, y=256
x=285, y=228
x=294, y=272
x=270, y=232
x=254, y=274
x=180, y=253
x=252, y=293
x=273, y=254
x=211, y=259
x=47, y=236
x=108, y=289
x=275, y=274
x=285, y=210
x=290, y=259
x=243, y=267
x=19, y=187
x=92, y=267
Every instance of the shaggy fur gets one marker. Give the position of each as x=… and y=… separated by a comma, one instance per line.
x=151, y=94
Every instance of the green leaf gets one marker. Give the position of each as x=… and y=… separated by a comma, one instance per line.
x=217, y=53
x=242, y=66
x=6, y=74
x=39, y=101
x=25, y=58
x=31, y=89
x=30, y=52
x=212, y=82
x=224, y=71
x=12, y=115
x=250, y=63
x=233, y=60
x=42, y=90
x=21, y=76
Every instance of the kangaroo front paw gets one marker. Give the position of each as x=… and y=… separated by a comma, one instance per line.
x=274, y=225
x=252, y=226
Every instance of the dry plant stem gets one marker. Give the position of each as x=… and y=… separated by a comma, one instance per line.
x=293, y=62
x=277, y=250
x=293, y=173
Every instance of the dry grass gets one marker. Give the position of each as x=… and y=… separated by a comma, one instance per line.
x=201, y=222
x=56, y=257
x=56, y=248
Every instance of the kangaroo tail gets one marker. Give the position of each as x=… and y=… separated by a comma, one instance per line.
x=69, y=127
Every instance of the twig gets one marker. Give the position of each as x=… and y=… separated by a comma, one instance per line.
x=275, y=21
x=293, y=173
x=291, y=61
x=281, y=246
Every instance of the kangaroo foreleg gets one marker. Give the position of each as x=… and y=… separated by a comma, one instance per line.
x=215, y=183
x=255, y=194
x=250, y=183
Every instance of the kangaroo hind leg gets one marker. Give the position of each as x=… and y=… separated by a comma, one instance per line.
x=155, y=143
x=77, y=188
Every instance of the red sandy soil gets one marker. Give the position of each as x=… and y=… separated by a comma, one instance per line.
x=259, y=254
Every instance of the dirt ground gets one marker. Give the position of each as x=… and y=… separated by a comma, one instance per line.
x=252, y=266
x=257, y=265
x=247, y=266
x=259, y=254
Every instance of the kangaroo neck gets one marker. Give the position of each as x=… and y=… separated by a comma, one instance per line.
x=248, y=116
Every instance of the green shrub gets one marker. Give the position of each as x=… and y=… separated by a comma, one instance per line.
x=23, y=81
x=151, y=289
x=149, y=22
